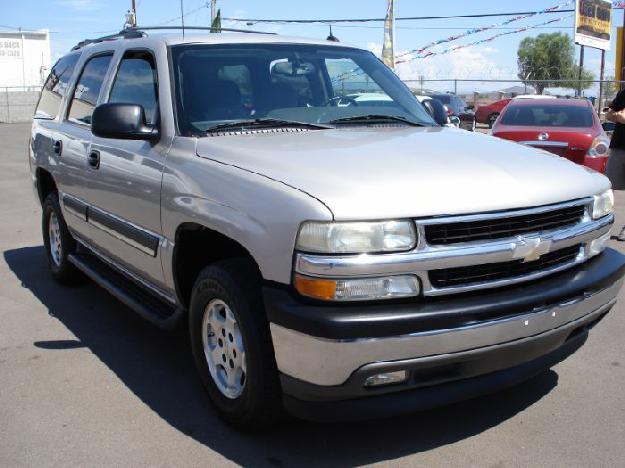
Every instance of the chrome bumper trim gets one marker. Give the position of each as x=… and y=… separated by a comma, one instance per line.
x=330, y=362
x=546, y=143
x=426, y=257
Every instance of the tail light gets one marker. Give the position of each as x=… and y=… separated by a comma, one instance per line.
x=597, y=156
x=600, y=147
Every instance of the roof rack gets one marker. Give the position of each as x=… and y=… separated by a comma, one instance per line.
x=128, y=33
x=136, y=32
x=200, y=28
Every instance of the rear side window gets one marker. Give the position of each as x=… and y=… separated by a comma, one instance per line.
x=545, y=115
x=55, y=87
x=88, y=89
x=136, y=83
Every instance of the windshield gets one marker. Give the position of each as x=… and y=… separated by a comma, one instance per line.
x=217, y=84
x=545, y=115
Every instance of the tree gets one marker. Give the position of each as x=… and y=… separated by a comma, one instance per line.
x=574, y=83
x=547, y=58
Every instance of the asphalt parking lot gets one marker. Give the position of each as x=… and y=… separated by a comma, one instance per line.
x=86, y=382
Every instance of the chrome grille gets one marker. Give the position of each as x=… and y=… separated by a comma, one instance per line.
x=499, y=228
x=475, y=274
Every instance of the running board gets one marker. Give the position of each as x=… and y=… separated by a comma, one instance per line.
x=155, y=310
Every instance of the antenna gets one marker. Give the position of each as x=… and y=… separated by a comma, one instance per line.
x=182, y=14
x=332, y=37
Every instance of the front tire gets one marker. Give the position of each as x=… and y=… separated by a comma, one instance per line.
x=231, y=344
x=58, y=242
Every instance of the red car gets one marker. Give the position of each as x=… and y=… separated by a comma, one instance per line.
x=488, y=114
x=566, y=127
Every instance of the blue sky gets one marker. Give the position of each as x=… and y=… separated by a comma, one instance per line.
x=72, y=20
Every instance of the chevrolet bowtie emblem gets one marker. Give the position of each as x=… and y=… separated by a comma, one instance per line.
x=530, y=248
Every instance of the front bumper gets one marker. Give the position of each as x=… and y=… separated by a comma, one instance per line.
x=325, y=353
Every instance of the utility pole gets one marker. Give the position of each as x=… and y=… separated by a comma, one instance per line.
x=134, y=13
x=388, y=54
x=213, y=10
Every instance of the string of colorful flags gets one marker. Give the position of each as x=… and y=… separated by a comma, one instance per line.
x=481, y=41
x=484, y=28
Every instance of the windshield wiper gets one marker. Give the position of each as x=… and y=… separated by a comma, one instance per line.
x=376, y=118
x=265, y=123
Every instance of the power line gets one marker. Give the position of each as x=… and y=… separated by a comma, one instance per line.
x=372, y=20
x=186, y=13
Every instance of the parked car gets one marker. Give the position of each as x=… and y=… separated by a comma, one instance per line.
x=339, y=262
x=566, y=127
x=488, y=114
x=457, y=107
x=608, y=128
x=438, y=111
x=534, y=96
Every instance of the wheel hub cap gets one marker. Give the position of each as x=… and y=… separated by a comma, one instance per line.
x=54, y=234
x=223, y=348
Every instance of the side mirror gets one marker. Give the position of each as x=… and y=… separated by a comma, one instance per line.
x=122, y=121
x=437, y=111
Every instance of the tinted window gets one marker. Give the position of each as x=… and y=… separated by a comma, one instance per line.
x=55, y=87
x=135, y=83
x=545, y=115
x=317, y=84
x=88, y=89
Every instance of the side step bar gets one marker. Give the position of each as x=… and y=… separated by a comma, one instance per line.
x=158, y=312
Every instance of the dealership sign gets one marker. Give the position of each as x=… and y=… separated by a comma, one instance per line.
x=593, y=23
x=10, y=48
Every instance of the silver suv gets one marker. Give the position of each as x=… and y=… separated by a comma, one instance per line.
x=336, y=257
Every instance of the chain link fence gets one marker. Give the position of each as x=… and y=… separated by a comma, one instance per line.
x=17, y=103
x=480, y=92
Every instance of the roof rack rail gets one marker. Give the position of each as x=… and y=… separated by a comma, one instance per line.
x=200, y=28
x=128, y=33
x=136, y=32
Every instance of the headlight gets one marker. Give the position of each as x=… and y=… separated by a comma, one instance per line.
x=603, y=204
x=356, y=237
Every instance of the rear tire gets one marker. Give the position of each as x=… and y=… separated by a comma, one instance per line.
x=58, y=242
x=231, y=344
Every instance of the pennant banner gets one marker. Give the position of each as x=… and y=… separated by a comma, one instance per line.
x=481, y=41
x=486, y=28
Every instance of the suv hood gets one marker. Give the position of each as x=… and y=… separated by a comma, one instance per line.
x=401, y=172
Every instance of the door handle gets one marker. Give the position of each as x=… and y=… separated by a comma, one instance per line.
x=94, y=159
x=58, y=147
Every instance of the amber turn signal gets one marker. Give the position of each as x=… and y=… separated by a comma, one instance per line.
x=316, y=288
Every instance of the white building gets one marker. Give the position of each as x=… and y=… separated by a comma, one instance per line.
x=24, y=58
